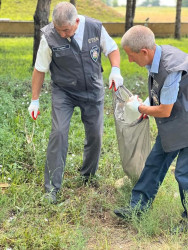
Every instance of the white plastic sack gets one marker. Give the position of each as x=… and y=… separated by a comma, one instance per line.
x=133, y=134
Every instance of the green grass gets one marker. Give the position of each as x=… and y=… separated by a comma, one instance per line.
x=156, y=14
x=83, y=217
x=23, y=10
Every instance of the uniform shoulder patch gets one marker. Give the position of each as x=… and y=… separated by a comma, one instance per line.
x=94, y=52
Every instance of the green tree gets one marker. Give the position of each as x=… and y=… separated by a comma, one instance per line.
x=107, y=2
x=145, y=3
x=155, y=3
x=151, y=2
x=40, y=20
x=184, y=3
x=115, y=3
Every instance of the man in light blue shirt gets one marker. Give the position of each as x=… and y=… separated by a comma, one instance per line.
x=168, y=103
x=170, y=88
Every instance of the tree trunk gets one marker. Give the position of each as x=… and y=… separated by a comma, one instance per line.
x=73, y=2
x=177, y=33
x=40, y=20
x=133, y=9
x=130, y=12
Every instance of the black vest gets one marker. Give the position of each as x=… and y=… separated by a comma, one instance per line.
x=77, y=73
x=173, y=130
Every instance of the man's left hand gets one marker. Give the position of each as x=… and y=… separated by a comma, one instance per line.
x=115, y=78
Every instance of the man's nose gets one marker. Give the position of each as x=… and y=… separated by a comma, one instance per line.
x=130, y=59
x=62, y=34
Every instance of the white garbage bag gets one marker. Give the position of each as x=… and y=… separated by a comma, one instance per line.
x=133, y=134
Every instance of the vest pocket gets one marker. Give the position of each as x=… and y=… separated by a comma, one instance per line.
x=165, y=120
x=68, y=83
x=95, y=81
x=61, y=53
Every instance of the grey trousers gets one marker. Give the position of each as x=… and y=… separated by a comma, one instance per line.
x=92, y=117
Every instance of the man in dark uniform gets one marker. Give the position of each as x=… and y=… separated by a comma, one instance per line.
x=71, y=49
x=168, y=103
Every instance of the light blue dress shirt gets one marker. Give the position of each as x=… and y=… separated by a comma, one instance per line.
x=169, y=91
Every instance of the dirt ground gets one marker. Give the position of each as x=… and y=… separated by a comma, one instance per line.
x=117, y=235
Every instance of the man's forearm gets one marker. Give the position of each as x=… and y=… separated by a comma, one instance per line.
x=114, y=58
x=37, y=81
x=156, y=111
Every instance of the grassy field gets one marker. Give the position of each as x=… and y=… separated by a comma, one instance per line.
x=24, y=10
x=156, y=14
x=83, y=219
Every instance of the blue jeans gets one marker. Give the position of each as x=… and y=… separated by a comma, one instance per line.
x=156, y=167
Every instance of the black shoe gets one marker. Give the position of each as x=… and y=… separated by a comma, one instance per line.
x=127, y=213
x=182, y=227
x=50, y=197
x=184, y=214
x=90, y=181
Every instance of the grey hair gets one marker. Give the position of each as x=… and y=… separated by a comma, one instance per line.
x=64, y=13
x=138, y=37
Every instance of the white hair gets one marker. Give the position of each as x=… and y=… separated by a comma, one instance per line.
x=64, y=13
x=138, y=37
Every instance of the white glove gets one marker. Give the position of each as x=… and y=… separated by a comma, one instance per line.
x=115, y=78
x=34, y=109
x=133, y=103
x=146, y=102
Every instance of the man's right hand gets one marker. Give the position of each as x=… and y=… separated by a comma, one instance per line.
x=34, y=109
x=134, y=102
x=115, y=78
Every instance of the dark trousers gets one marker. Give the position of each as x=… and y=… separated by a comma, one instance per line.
x=92, y=117
x=156, y=167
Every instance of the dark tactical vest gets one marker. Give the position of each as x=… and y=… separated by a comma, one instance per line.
x=77, y=73
x=173, y=130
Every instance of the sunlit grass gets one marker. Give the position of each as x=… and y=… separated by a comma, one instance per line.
x=156, y=14
x=23, y=10
x=19, y=66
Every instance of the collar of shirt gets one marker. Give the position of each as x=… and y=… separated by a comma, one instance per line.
x=82, y=20
x=79, y=33
x=154, y=68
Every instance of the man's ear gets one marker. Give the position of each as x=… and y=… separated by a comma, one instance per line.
x=144, y=52
x=77, y=20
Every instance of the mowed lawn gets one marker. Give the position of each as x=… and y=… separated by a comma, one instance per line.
x=156, y=14
x=23, y=10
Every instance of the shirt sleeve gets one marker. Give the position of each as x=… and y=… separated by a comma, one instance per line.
x=107, y=43
x=169, y=91
x=44, y=56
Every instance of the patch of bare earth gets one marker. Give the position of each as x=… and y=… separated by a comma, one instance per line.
x=115, y=234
